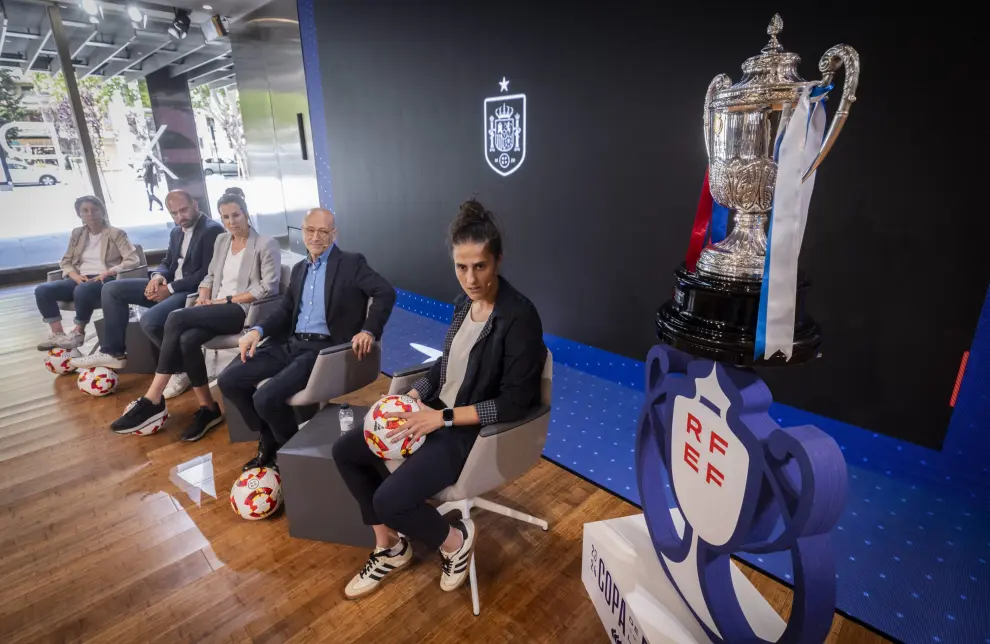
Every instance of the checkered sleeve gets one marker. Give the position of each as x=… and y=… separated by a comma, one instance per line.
x=487, y=412
x=424, y=387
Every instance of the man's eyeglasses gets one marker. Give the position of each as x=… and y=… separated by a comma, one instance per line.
x=321, y=233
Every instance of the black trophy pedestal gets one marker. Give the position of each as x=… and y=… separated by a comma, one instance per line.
x=715, y=318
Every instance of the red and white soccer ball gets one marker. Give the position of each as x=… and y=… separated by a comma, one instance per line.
x=257, y=493
x=57, y=360
x=97, y=381
x=377, y=427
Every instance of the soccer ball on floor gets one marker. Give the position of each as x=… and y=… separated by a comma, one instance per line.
x=257, y=493
x=377, y=427
x=97, y=381
x=57, y=360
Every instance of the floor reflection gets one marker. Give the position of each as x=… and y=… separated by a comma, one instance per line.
x=195, y=478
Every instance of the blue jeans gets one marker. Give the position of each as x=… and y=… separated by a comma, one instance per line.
x=117, y=298
x=85, y=296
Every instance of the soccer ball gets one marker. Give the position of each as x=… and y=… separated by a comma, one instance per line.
x=151, y=426
x=257, y=493
x=376, y=428
x=97, y=381
x=57, y=360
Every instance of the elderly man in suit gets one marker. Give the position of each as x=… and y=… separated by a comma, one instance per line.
x=326, y=304
x=190, y=251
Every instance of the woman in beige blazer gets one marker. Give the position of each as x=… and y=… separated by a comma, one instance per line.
x=245, y=268
x=97, y=253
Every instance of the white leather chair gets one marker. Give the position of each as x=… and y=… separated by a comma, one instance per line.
x=502, y=453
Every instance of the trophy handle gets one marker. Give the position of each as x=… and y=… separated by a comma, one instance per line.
x=720, y=82
x=832, y=60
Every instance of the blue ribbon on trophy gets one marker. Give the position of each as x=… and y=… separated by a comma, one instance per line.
x=795, y=150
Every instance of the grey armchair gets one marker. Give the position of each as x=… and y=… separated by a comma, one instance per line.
x=337, y=372
x=502, y=453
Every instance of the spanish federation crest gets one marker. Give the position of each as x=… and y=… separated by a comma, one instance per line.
x=505, y=130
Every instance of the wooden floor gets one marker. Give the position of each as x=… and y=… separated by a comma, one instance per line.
x=107, y=538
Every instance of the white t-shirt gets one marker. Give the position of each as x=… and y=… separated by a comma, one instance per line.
x=91, y=262
x=228, y=275
x=457, y=359
x=187, y=234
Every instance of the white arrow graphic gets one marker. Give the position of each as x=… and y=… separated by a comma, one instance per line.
x=431, y=354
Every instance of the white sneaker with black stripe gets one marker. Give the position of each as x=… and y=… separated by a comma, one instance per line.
x=455, y=565
x=380, y=564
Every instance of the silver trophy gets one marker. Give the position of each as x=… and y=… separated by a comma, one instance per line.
x=741, y=125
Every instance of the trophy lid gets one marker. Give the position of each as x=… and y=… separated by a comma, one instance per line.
x=768, y=78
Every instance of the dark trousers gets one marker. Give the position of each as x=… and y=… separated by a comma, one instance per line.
x=152, y=198
x=187, y=330
x=117, y=298
x=264, y=408
x=398, y=500
x=85, y=296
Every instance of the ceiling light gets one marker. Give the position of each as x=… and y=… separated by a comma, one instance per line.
x=90, y=7
x=208, y=7
x=134, y=13
x=180, y=26
x=94, y=20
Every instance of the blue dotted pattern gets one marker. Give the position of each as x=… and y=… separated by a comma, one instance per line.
x=314, y=92
x=913, y=544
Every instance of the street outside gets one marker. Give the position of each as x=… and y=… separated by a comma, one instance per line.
x=28, y=211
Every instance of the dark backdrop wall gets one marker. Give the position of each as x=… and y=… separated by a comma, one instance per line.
x=599, y=214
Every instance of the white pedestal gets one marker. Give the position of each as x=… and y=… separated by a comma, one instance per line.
x=637, y=602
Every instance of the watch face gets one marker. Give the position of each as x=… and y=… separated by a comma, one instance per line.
x=448, y=415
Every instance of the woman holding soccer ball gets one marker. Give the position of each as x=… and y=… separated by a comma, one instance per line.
x=489, y=372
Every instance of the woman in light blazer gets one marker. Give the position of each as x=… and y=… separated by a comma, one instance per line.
x=97, y=253
x=245, y=268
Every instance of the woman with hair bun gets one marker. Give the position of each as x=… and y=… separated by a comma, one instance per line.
x=246, y=267
x=490, y=372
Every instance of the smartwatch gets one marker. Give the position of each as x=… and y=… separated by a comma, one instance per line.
x=230, y=299
x=448, y=417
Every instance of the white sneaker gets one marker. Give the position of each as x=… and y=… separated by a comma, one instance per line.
x=381, y=562
x=72, y=340
x=177, y=385
x=98, y=359
x=51, y=342
x=455, y=565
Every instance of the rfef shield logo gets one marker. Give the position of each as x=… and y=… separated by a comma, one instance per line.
x=505, y=131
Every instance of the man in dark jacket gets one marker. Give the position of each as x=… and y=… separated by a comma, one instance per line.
x=190, y=250
x=325, y=305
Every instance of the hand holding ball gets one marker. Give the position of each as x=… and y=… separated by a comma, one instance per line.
x=380, y=422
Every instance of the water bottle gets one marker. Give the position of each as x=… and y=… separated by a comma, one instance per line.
x=346, y=416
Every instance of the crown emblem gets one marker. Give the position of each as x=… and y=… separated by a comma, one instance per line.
x=504, y=111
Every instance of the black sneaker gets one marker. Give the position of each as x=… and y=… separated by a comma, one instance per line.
x=141, y=417
x=265, y=458
x=204, y=420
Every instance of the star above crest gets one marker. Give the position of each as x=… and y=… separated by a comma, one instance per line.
x=503, y=85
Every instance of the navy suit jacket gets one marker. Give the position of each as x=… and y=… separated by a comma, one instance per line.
x=350, y=282
x=197, y=260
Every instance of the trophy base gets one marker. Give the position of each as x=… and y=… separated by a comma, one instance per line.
x=715, y=318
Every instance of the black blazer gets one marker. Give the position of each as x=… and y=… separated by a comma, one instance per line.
x=505, y=365
x=349, y=284
x=198, y=256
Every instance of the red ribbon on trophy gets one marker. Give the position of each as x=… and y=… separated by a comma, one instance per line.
x=702, y=219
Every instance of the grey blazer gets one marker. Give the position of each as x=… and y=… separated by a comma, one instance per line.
x=118, y=252
x=260, y=268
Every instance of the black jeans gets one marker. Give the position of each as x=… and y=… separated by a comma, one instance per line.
x=398, y=500
x=264, y=409
x=187, y=330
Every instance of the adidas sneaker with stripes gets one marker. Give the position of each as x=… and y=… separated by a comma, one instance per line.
x=380, y=564
x=455, y=564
